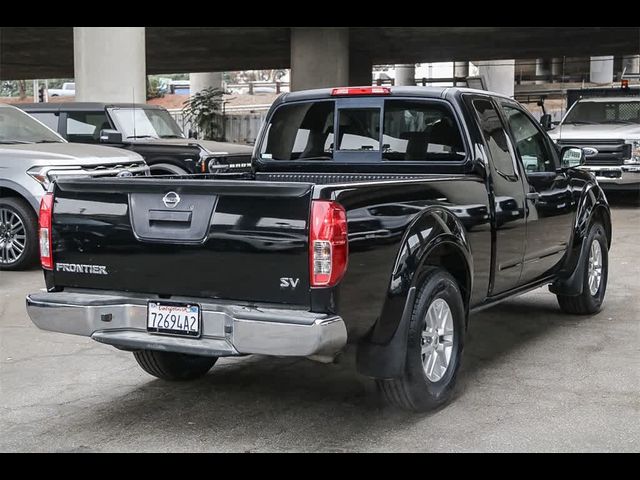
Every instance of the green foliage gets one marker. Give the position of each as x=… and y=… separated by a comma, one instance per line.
x=9, y=89
x=154, y=88
x=204, y=111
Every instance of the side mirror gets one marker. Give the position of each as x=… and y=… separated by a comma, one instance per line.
x=572, y=157
x=193, y=134
x=110, y=136
x=546, y=122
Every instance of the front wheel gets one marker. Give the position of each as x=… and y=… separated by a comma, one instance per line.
x=594, y=281
x=434, y=346
x=173, y=366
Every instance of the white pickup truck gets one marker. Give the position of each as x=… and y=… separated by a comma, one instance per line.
x=67, y=90
x=608, y=131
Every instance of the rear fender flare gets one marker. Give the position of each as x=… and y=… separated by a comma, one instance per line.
x=434, y=232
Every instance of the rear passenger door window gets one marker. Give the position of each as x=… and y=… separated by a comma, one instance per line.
x=84, y=127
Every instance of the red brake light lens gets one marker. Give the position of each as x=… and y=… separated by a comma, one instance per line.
x=328, y=243
x=337, y=92
x=44, y=222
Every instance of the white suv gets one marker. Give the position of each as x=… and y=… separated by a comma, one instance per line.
x=31, y=156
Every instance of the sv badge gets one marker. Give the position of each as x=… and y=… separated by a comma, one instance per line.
x=289, y=283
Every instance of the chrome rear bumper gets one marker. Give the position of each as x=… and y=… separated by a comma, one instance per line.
x=227, y=329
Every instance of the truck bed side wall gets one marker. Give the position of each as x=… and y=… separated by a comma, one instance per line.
x=391, y=227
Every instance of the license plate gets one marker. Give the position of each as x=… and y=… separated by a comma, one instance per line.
x=173, y=318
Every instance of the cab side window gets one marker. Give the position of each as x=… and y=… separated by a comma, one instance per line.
x=50, y=119
x=84, y=127
x=530, y=142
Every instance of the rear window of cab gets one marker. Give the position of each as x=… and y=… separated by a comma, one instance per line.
x=363, y=131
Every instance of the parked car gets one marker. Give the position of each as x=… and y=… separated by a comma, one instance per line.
x=378, y=216
x=608, y=130
x=31, y=157
x=68, y=90
x=148, y=130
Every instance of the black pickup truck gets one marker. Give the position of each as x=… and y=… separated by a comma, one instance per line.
x=381, y=217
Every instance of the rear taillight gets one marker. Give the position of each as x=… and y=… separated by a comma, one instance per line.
x=328, y=243
x=44, y=222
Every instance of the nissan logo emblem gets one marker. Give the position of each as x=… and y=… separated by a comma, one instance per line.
x=590, y=152
x=171, y=200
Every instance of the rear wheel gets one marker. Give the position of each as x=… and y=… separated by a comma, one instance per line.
x=594, y=281
x=434, y=347
x=18, y=234
x=173, y=366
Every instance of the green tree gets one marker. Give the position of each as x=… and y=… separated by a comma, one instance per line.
x=204, y=111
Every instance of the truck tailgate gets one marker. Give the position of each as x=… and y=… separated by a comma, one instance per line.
x=222, y=239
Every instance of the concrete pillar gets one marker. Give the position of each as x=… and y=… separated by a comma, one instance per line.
x=406, y=74
x=319, y=57
x=460, y=69
x=110, y=64
x=200, y=81
x=601, y=69
x=543, y=68
x=631, y=64
x=360, y=69
x=556, y=68
x=498, y=75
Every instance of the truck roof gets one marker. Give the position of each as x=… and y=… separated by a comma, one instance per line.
x=423, y=92
x=81, y=106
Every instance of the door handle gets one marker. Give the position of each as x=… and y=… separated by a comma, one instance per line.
x=169, y=216
x=533, y=196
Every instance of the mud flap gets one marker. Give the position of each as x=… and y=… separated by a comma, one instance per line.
x=572, y=285
x=387, y=361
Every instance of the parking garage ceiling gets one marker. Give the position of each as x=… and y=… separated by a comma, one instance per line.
x=47, y=52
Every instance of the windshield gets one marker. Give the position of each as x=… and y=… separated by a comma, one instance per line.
x=19, y=127
x=604, y=112
x=394, y=129
x=146, y=123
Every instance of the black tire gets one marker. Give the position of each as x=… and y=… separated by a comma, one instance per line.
x=587, y=303
x=414, y=391
x=174, y=366
x=29, y=219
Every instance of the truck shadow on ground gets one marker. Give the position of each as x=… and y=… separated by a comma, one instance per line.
x=283, y=398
